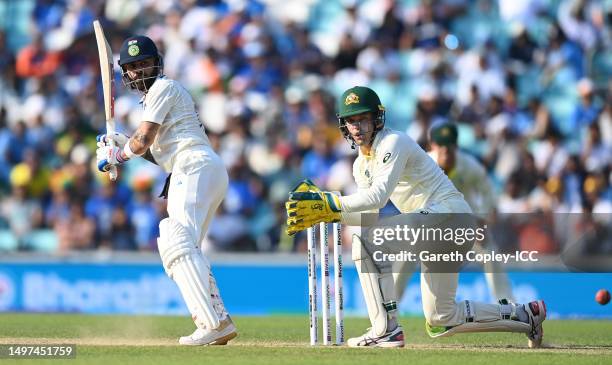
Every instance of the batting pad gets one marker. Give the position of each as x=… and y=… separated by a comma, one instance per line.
x=501, y=325
x=493, y=318
x=186, y=265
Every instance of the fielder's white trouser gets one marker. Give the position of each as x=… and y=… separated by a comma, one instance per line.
x=497, y=280
x=439, y=289
x=197, y=188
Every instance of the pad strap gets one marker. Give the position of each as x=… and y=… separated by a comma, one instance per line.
x=469, y=311
x=507, y=310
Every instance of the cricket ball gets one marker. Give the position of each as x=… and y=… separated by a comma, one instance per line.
x=602, y=297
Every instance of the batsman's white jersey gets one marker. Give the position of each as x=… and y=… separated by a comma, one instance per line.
x=197, y=187
x=471, y=179
x=168, y=104
x=397, y=169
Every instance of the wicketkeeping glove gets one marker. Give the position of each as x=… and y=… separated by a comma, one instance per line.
x=304, y=186
x=307, y=208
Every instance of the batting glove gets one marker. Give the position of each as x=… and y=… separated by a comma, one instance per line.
x=107, y=156
x=120, y=139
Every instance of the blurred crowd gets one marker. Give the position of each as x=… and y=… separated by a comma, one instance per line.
x=528, y=83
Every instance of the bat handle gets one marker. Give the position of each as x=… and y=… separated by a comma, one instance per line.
x=113, y=172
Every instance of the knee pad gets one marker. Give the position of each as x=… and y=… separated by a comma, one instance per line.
x=186, y=265
x=174, y=242
x=505, y=322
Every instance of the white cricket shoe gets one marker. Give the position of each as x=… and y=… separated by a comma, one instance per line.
x=537, y=314
x=394, y=338
x=219, y=336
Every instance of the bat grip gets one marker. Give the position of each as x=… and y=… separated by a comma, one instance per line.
x=112, y=172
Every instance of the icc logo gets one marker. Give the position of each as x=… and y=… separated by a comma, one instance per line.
x=7, y=292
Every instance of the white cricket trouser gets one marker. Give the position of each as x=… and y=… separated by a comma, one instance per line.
x=497, y=280
x=197, y=188
x=439, y=290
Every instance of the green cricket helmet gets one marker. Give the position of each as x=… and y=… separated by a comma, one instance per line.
x=444, y=133
x=358, y=100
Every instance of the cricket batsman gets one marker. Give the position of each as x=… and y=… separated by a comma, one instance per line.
x=470, y=178
x=172, y=136
x=390, y=165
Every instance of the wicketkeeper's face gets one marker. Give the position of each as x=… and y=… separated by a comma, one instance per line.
x=361, y=128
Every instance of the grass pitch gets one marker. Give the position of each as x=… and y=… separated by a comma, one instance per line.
x=284, y=340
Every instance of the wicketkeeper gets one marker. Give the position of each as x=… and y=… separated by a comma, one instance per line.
x=390, y=165
x=172, y=136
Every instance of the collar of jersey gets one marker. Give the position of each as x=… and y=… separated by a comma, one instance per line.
x=144, y=96
x=377, y=139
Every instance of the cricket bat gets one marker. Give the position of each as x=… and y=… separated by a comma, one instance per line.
x=108, y=86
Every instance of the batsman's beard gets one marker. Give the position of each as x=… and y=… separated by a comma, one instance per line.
x=141, y=82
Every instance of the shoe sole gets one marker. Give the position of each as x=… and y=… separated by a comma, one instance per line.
x=224, y=340
x=382, y=345
x=390, y=345
x=536, y=343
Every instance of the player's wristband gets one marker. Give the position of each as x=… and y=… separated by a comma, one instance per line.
x=128, y=151
x=120, y=158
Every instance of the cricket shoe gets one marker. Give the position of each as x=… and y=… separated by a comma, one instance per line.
x=537, y=314
x=393, y=338
x=219, y=336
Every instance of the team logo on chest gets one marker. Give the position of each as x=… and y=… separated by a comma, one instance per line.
x=387, y=156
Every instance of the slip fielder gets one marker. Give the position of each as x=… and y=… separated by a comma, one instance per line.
x=392, y=166
x=172, y=136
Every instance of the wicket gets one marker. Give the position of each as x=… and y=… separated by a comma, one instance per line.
x=325, y=288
